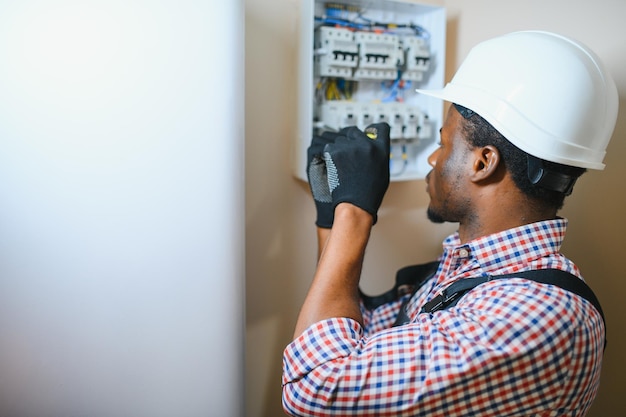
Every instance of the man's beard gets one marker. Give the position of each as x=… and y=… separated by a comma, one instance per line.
x=434, y=217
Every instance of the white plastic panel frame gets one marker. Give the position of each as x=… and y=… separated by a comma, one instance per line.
x=415, y=120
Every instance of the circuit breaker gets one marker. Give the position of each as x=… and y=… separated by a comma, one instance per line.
x=360, y=63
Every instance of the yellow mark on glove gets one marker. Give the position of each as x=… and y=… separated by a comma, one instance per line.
x=371, y=132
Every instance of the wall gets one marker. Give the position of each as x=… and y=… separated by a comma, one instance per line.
x=121, y=208
x=280, y=236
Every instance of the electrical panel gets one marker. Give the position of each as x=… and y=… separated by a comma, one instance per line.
x=360, y=63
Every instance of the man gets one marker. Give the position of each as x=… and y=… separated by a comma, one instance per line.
x=531, y=112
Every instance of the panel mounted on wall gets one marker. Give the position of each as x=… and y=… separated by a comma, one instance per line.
x=360, y=63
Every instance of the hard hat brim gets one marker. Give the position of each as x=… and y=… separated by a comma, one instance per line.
x=552, y=148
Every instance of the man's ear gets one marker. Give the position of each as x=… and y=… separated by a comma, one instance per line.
x=486, y=162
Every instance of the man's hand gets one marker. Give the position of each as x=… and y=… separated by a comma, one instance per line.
x=357, y=167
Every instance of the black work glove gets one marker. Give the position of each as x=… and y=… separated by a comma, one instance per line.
x=318, y=179
x=357, y=165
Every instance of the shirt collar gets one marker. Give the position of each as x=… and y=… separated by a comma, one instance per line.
x=519, y=244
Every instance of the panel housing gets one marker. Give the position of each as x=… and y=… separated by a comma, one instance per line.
x=360, y=64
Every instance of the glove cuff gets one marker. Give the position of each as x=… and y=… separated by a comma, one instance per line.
x=369, y=210
x=325, y=214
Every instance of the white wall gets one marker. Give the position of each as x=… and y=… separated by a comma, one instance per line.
x=280, y=236
x=121, y=208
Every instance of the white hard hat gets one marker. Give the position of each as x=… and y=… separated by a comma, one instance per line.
x=547, y=94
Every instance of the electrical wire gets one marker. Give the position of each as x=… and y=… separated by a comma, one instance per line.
x=403, y=162
x=395, y=91
x=334, y=89
x=371, y=25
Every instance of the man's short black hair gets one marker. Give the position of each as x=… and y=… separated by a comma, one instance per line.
x=479, y=132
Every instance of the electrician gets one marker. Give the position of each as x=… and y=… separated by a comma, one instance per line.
x=531, y=112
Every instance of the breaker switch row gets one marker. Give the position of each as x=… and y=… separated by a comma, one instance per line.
x=340, y=52
x=406, y=121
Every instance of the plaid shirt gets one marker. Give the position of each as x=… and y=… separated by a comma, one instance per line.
x=509, y=347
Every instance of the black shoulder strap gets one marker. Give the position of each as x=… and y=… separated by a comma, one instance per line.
x=408, y=279
x=453, y=293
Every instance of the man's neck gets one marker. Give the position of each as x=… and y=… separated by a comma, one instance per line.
x=499, y=218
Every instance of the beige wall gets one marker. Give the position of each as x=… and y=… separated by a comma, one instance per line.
x=280, y=246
